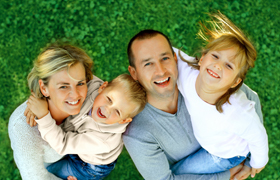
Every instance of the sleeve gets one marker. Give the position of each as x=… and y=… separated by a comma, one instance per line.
x=70, y=142
x=28, y=151
x=152, y=163
x=255, y=135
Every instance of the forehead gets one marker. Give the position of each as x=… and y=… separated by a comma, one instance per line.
x=149, y=48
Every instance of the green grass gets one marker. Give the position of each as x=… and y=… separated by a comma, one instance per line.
x=103, y=29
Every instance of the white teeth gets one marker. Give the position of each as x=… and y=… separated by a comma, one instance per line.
x=213, y=74
x=74, y=102
x=162, y=80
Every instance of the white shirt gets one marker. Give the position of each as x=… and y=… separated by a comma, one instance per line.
x=235, y=132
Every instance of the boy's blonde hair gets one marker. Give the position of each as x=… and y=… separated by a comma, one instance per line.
x=132, y=90
x=224, y=35
x=54, y=59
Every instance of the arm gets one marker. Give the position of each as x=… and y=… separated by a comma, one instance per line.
x=83, y=142
x=27, y=148
x=152, y=162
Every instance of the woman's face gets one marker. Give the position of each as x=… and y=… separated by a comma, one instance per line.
x=67, y=91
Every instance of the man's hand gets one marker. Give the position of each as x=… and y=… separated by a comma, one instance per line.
x=255, y=171
x=243, y=173
x=38, y=106
x=71, y=178
x=233, y=171
x=30, y=117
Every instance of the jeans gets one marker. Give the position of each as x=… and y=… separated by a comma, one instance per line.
x=72, y=165
x=202, y=162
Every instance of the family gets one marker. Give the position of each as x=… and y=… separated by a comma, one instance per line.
x=179, y=117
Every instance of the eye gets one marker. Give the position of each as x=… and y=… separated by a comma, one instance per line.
x=147, y=64
x=229, y=66
x=109, y=99
x=118, y=112
x=215, y=56
x=81, y=84
x=165, y=58
x=62, y=87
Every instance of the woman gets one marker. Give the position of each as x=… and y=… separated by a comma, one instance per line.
x=60, y=74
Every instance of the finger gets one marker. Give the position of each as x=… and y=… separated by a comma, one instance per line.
x=25, y=112
x=32, y=120
x=28, y=117
x=34, y=123
x=253, y=173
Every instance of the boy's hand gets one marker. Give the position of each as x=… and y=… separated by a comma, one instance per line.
x=71, y=178
x=38, y=106
x=255, y=171
x=30, y=117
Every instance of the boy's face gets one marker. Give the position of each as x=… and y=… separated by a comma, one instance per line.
x=111, y=105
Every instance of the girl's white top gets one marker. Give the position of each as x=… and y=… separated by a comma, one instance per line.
x=31, y=152
x=235, y=132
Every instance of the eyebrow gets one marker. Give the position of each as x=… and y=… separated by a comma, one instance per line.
x=65, y=83
x=148, y=59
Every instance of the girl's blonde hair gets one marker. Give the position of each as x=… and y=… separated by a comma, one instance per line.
x=53, y=59
x=132, y=90
x=224, y=35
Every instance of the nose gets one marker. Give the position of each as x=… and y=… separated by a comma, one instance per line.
x=160, y=69
x=218, y=66
x=74, y=93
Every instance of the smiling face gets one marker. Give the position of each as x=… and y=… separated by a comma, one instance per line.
x=66, y=91
x=155, y=66
x=219, y=69
x=111, y=105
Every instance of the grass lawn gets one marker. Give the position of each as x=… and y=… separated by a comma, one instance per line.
x=103, y=29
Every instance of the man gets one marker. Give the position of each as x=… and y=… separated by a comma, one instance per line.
x=161, y=135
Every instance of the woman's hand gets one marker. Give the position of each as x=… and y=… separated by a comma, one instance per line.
x=243, y=173
x=255, y=171
x=38, y=106
x=30, y=117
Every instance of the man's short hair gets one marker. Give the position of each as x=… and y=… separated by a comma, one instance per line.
x=144, y=34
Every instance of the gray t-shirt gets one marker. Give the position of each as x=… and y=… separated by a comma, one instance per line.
x=156, y=140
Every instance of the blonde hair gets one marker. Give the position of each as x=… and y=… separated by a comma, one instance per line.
x=224, y=35
x=132, y=90
x=53, y=59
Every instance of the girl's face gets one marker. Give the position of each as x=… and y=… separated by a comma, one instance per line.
x=67, y=91
x=219, y=69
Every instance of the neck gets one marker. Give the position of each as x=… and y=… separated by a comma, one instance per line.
x=56, y=114
x=166, y=104
x=206, y=93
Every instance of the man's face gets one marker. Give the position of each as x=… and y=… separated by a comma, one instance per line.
x=155, y=66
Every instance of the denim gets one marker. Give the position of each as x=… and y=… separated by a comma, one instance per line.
x=72, y=165
x=202, y=162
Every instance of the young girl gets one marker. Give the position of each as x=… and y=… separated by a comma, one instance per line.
x=224, y=120
x=92, y=138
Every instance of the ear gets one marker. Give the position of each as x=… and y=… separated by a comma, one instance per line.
x=133, y=72
x=236, y=82
x=103, y=86
x=175, y=57
x=199, y=62
x=43, y=88
x=127, y=120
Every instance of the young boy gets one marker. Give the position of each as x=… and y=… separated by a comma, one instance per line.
x=92, y=139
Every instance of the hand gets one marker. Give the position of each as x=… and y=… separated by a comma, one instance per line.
x=233, y=171
x=71, y=178
x=256, y=170
x=38, y=106
x=30, y=117
x=243, y=173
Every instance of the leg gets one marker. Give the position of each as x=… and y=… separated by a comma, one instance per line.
x=202, y=162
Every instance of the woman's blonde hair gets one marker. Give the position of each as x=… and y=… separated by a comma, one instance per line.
x=132, y=90
x=224, y=35
x=53, y=59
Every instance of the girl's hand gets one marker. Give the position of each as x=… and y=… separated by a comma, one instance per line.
x=30, y=117
x=255, y=171
x=38, y=106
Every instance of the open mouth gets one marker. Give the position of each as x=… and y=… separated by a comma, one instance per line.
x=162, y=82
x=99, y=113
x=213, y=74
x=73, y=102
